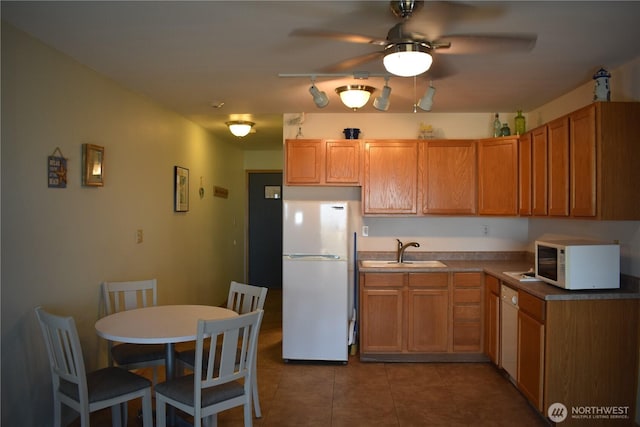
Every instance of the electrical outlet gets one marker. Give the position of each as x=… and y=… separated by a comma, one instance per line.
x=485, y=230
x=139, y=235
x=365, y=230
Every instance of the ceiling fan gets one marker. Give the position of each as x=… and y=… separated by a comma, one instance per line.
x=409, y=53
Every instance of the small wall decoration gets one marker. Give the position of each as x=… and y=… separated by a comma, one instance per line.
x=93, y=161
x=181, y=189
x=220, y=192
x=57, y=170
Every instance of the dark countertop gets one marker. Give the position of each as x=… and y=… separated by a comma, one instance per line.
x=629, y=286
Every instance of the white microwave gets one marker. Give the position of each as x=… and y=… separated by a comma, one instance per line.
x=578, y=264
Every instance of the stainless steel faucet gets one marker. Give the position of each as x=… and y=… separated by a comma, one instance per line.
x=402, y=247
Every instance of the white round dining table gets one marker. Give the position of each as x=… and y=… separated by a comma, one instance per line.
x=159, y=324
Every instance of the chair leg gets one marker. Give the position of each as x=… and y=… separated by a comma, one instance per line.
x=57, y=413
x=256, y=399
x=248, y=416
x=116, y=416
x=147, y=410
x=161, y=413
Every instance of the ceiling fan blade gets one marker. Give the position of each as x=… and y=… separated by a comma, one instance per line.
x=485, y=43
x=440, y=69
x=351, y=63
x=335, y=35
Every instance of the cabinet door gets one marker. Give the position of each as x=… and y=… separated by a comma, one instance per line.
x=492, y=318
x=381, y=318
x=498, y=176
x=390, y=177
x=428, y=320
x=343, y=159
x=539, y=170
x=558, y=140
x=303, y=161
x=525, y=174
x=531, y=358
x=583, y=162
x=448, y=177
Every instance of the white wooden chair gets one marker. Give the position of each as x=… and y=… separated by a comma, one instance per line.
x=120, y=296
x=242, y=299
x=87, y=392
x=223, y=374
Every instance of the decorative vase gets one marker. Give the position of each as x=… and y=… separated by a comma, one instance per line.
x=351, y=133
x=520, y=123
x=505, y=131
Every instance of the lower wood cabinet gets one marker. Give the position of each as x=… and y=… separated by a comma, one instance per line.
x=492, y=318
x=531, y=347
x=421, y=316
x=578, y=352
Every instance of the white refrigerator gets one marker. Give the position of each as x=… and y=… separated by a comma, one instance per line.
x=315, y=280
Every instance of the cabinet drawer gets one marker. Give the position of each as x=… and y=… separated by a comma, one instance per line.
x=466, y=337
x=467, y=279
x=429, y=279
x=531, y=305
x=470, y=295
x=384, y=279
x=467, y=312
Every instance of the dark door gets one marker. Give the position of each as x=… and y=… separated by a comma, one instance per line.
x=265, y=229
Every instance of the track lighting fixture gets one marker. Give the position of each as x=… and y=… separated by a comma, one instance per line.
x=319, y=98
x=407, y=59
x=240, y=128
x=355, y=96
x=426, y=102
x=382, y=102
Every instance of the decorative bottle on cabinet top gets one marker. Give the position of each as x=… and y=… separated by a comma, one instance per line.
x=497, y=126
x=521, y=126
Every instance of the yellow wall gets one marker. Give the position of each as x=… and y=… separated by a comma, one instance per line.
x=59, y=244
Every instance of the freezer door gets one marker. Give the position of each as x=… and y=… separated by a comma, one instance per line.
x=314, y=227
x=314, y=310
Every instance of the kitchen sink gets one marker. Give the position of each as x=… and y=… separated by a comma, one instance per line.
x=404, y=264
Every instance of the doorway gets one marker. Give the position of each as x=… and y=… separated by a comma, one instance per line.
x=264, y=241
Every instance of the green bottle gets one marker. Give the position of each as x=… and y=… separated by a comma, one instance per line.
x=497, y=126
x=521, y=126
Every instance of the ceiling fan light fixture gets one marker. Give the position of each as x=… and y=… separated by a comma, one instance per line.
x=240, y=128
x=355, y=96
x=381, y=103
x=319, y=98
x=407, y=59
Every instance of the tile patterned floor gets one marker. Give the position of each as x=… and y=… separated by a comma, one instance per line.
x=370, y=394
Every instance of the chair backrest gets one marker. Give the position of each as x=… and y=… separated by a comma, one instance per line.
x=120, y=296
x=64, y=350
x=245, y=298
x=231, y=361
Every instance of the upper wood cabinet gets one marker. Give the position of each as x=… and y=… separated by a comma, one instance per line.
x=390, y=177
x=498, y=176
x=558, y=166
x=525, y=175
x=448, y=177
x=323, y=162
x=604, y=159
x=539, y=171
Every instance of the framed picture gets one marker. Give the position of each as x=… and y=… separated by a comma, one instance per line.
x=93, y=170
x=181, y=189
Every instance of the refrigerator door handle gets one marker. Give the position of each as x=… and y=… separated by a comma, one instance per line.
x=307, y=256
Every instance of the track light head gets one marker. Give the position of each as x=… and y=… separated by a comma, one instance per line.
x=319, y=98
x=426, y=102
x=382, y=103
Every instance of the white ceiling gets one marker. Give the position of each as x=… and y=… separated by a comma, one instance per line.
x=187, y=55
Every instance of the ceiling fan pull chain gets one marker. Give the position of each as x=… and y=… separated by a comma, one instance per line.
x=415, y=96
